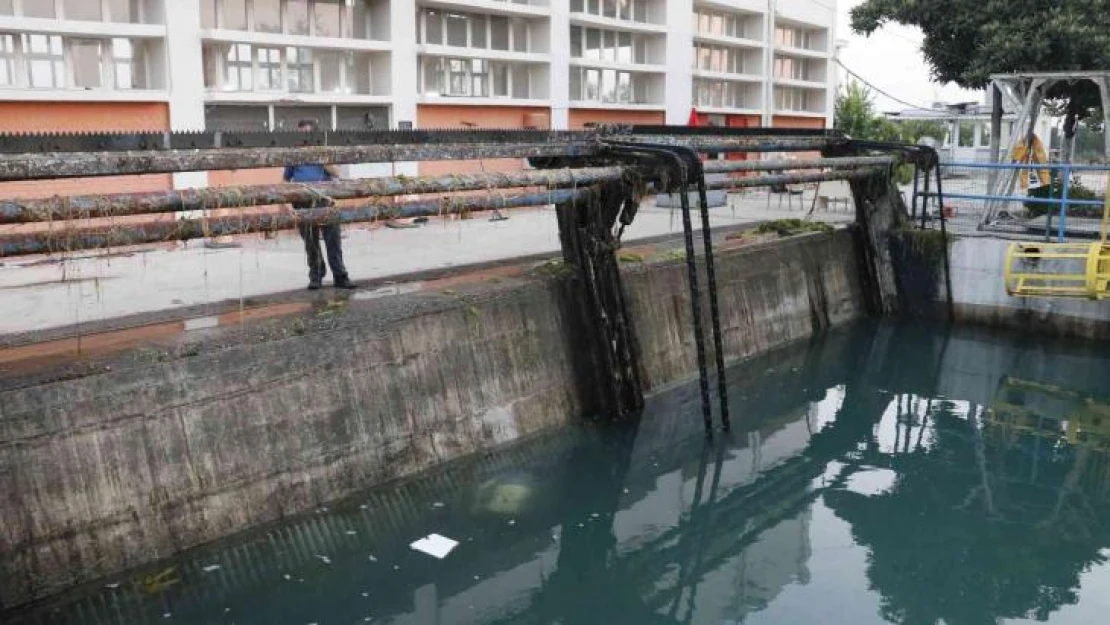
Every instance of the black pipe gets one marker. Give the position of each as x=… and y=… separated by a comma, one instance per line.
x=714, y=306
x=947, y=260
x=925, y=199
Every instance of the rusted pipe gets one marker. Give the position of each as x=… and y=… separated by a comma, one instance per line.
x=765, y=181
x=726, y=143
x=69, y=238
x=92, y=164
x=90, y=206
x=721, y=167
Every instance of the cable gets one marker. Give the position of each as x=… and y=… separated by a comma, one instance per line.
x=874, y=88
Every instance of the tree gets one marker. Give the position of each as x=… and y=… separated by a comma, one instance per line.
x=968, y=40
x=855, y=115
x=912, y=130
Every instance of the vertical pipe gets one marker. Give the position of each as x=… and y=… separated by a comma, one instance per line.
x=714, y=307
x=944, y=246
x=695, y=303
x=1062, y=228
x=913, y=200
x=925, y=197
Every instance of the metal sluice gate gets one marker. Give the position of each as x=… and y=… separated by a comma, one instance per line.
x=596, y=179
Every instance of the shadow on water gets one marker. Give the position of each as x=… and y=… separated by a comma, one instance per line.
x=883, y=473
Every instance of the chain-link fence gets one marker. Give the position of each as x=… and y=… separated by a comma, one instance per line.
x=1057, y=201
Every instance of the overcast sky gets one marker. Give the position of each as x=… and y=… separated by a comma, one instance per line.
x=891, y=60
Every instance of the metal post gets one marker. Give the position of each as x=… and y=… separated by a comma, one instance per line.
x=925, y=198
x=913, y=200
x=1063, y=225
x=944, y=235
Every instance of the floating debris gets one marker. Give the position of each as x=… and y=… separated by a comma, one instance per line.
x=439, y=504
x=512, y=521
x=210, y=568
x=287, y=576
x=166, y=615
x=435, y=545
x=351, y=532
x=372, y=558
x=477, y=577
x=595, y=515
x=112, y=586
x=396, y=568
x=363, y=507
x=324, y=559
x=365, y=594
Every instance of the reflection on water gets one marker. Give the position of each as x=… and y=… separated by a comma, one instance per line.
x=882, y=474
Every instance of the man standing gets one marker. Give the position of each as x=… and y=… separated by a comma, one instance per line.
x=310, y=232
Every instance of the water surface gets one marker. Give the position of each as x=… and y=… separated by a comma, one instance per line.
x=883, y=474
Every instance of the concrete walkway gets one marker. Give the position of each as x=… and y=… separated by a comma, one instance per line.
x=42, y=293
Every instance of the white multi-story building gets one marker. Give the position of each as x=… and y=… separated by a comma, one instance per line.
x=263, y=64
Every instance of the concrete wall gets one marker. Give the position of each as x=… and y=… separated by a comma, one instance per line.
x=979, y=296
x=160, y=452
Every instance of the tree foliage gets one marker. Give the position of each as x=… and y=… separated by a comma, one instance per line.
x=855, y=114
x=968, y=40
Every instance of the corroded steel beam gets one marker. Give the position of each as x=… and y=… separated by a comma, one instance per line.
x=720, y=167
x=781, y=179
x=91, y=164
x=68, y=237
x=90, y=206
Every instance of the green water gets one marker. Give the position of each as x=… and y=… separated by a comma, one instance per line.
x=882, y=474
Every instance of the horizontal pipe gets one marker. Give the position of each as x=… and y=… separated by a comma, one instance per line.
x=978, y=165
x=67, y=239
x=92, y=164
x=720, y=167
x=780, y=179
x=739, y=144
x=92, y=206
x=1013, y=198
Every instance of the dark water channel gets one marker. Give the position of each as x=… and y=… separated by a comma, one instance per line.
x=882, y=474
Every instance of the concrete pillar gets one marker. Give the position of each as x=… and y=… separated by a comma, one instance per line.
x=769, y=63
x=403, y=84
x=559, y=73
x=186, y=71
x=680, y=61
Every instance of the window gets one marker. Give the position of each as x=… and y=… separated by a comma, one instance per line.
x=86, y=56
x=234, y=14
x=331, y=71
x=499, y=32
x=520, y=35
x=300, y=74
x=87, y=10
x=967, y=134
x=7, y=60
x=297, y=14
x=123, y=11
x=39, y=8
x=238, y=75
x=500, y=79
x=208, y=13
x=45, y=61
x=231, y=118
x=478, y=26
x=269, y=69
x=433, y=27
x=327, y=18
x=358, y=73
x=456, y=27
x=267, y=16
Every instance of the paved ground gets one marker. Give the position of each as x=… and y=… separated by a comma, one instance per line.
x=44, y=293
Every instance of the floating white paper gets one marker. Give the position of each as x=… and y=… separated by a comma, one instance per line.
x=435, y=545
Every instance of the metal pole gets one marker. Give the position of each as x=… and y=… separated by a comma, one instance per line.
x=1063, y=226
x=84, y=207
x=765, y=181
x=925, y=200
x=714, y=307
x=913, y=201
x=67, y=238
x=721, y=167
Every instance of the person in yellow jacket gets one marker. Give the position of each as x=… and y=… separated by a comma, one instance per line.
x=1021, y=154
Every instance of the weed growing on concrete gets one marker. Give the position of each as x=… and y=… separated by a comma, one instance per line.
x=792, y=227
x=629, y=257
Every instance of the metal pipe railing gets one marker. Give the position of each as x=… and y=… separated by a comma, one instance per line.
x=116, y=205
x=722, y=167
x=763, y=181
x=70, y=238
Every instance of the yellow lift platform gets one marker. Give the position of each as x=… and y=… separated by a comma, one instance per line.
x=1077, y=270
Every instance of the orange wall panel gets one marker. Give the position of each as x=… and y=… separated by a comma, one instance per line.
x=461, y=116
x=789, y=121
x=84, y=116
x=580, y=117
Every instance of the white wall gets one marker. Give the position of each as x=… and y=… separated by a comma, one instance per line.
x=186, y=77
x=680, y=61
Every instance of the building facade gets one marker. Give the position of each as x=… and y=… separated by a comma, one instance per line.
x=97, y=65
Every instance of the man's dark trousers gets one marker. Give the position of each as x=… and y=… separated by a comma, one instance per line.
x=311, y=234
